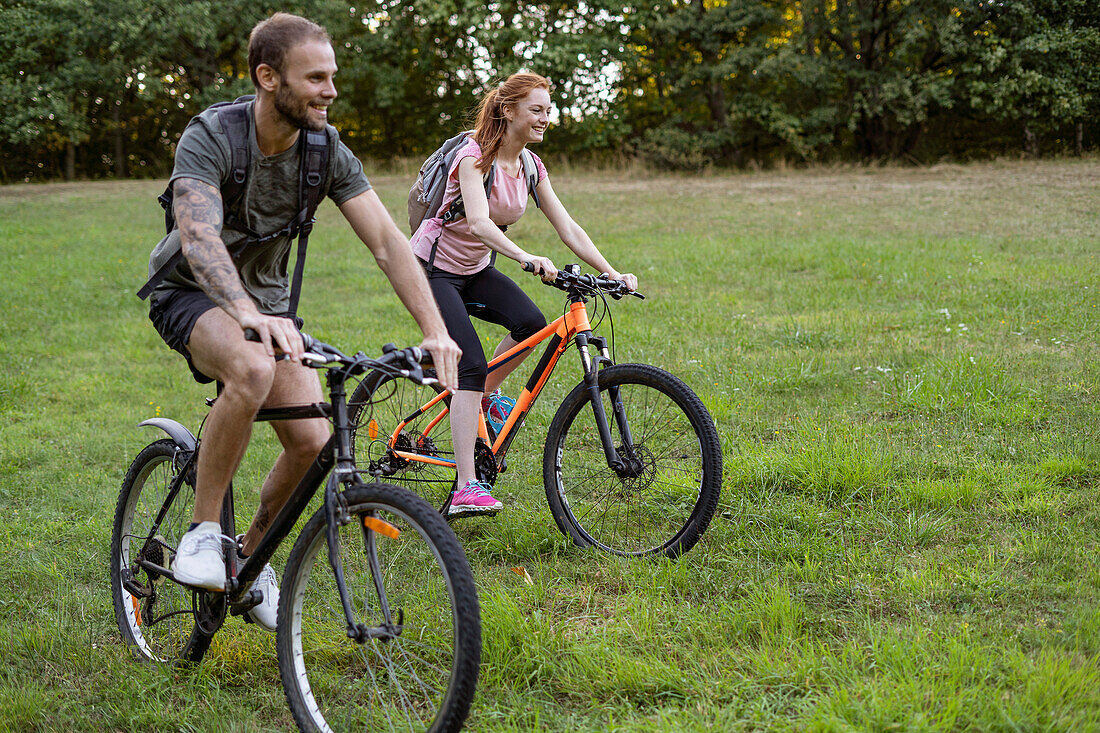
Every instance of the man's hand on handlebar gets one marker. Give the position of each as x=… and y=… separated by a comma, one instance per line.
x=445, y=354
x=276, y=332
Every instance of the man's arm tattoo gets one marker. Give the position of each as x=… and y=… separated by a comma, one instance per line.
x=198, y=210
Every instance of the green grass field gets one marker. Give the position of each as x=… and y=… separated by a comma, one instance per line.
x=904, y=370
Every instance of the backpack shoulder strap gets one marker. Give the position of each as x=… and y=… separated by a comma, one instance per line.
x=313, y=165
x=316, y=154
x=234, y=121
x=489, y=177
x=233, y=117
x=531, y=173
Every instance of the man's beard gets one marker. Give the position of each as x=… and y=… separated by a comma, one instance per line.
x=295, y=112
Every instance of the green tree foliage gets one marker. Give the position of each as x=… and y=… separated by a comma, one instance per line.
x=808, y=79
x=104, y=87
x=698, y=84
x=1037, y=68
x=412, y=72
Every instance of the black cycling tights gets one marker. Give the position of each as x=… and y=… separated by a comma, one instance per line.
x=502, y=302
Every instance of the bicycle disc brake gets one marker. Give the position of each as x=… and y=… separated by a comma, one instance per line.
x=407, y=442
x=639, y=467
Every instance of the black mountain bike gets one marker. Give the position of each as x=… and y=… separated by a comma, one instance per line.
x=378, y=620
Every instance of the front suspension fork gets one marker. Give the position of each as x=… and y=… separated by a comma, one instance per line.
x=336, y=516
x=592, y=366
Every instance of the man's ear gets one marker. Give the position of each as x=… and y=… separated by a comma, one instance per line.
x=267, y=77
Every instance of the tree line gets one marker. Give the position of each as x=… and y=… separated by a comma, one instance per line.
x=103, y=88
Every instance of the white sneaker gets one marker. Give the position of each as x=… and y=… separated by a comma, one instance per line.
x=199, y=559
x=266, y=614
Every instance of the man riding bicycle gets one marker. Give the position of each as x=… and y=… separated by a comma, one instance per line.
x=229, y=279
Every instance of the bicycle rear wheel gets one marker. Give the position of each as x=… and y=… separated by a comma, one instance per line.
x=154, y=614
x=665, y=498
x=377, y=406
x=422, y=678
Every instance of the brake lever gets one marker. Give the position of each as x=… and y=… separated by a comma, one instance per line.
x=414, y=370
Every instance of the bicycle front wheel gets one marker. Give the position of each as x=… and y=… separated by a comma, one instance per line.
x=663, y=498
x=154, y=614
x=408, y=580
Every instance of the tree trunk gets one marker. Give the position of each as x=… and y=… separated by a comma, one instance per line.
x=120, y=144
x=70, y=160
x=716, y=102
x=1079, y=139
x=1031, y=142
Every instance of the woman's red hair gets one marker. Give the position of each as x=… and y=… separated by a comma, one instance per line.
x=491, y=122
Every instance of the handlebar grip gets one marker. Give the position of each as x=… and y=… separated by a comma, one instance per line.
x=528, y=266
x=251, y=334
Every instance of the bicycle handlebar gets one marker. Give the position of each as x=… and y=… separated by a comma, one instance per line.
x=398, y=362
x=570, y=277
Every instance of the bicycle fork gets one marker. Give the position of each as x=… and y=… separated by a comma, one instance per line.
x=623, y=463
x=336, y=516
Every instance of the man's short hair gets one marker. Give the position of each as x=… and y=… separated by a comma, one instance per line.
x=271, y=39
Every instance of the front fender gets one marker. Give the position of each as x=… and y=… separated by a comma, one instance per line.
x=176, y=431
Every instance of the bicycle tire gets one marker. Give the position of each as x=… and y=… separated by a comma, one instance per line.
x=424, y=678
x=158, y=628
x=376, y=407
x=664, y=507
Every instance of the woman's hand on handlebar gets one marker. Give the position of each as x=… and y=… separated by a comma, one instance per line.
x=628, y=279
x=541, y=266
x=276, y=332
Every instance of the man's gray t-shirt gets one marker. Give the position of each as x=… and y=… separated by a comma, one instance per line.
x=269, y=202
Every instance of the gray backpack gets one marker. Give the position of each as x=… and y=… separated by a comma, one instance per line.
x=426, y=194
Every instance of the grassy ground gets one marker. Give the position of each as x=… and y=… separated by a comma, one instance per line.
x=903, y=366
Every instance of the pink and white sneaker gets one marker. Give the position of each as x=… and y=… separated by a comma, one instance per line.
x=474, y=498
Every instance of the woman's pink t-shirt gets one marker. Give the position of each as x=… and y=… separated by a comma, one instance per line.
x=459, y=251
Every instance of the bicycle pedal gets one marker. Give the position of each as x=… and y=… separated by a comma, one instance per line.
x=472, y=513
x=250, y=600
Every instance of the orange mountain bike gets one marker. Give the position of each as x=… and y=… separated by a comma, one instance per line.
x=632, y=462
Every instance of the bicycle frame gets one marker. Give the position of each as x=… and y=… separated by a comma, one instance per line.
x=571, y=327
x=337, y=452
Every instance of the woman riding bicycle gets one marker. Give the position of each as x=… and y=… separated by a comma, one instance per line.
x=456, y=255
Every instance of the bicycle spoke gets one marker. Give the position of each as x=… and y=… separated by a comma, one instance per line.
x=649, y=505
x=426, y=434
x=156, y=627
x=395, y=682
x=398, y=683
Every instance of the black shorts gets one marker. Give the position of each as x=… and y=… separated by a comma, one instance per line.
x=174, y=313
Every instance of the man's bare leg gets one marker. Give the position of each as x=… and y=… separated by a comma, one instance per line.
x=302, y=440
x=219, y=350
